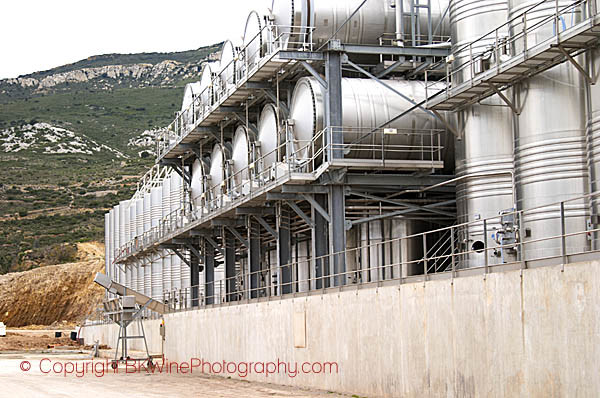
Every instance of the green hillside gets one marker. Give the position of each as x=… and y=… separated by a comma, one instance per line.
x=65, y=150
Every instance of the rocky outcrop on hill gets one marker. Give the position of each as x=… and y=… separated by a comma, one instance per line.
x=162, y=73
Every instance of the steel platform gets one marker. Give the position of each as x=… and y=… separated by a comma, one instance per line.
x=559, y=48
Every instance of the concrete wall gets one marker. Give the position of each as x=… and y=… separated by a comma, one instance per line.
x=535, y=335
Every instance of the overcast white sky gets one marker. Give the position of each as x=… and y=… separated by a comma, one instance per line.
x=37, y=35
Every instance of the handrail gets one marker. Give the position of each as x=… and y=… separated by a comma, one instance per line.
x=498, y=40
x=195, y=296
x=297, y=157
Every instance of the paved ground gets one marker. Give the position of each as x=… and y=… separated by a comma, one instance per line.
x=34, y=383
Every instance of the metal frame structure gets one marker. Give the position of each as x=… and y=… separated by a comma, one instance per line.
x=295, y=228
x=510, y=60
x=315, y=199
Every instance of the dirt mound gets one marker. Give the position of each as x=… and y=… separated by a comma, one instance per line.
x=20, y=342
x=54, y=293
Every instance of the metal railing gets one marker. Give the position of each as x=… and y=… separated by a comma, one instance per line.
x=292, y=156
x=523, y=32
x=448, y=259
x=384, y=144
x=151, y=179
x=263, y=46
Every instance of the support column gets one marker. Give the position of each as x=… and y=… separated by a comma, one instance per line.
x=334, y=120
x=194, y=278
x=319, y=261
x=254, y=257
x=209, y=271
x=230, y=290
x=284, y=277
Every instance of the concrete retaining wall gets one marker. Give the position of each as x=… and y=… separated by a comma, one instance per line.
x=504, y=335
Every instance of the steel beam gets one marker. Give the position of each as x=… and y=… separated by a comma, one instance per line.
x=229, y=109
x=242, y=120
x=254, y=256
x=266, y=225
x=395, y=180
x=314, y=74
x=301, y=55
x=239, y=237
x=243, y=211
x=209, y=271
x=399, y=213
x=337, y=233
x=419, y=51
x=230, y=288
x=401, y=203
x=302, y=215
x=296, y=189
x=214, y=244
x=181, y=256
x=273, y=97
x=195, y=279
x=319, y=239
x=317, y=206
x=284, y=253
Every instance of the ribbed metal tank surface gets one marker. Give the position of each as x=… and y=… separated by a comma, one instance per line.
x=176, y=205
x=366, y=106
x=551, y=158
x=374, y=20
x=485, y=149
x=166, y=211
x=157, y=264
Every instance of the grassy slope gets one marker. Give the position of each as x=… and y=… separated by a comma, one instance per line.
x=51, y=199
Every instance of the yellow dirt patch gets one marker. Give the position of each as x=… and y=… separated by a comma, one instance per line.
x=55, y=293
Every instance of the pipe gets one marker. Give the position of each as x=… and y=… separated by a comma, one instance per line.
x=399, y=23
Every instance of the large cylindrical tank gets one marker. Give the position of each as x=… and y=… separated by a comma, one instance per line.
x=125, y=277
x=176, y=206
x=254, y=40
x=485, y=149
x=132, y=220
x=137, y=272
x=228, y=63
x=551, y=159
x=156, y=265
x=367, y=105
x=124, y=222
x=372, y=260
x=189, y=103
x=139, y=217
x=375, y=20
x=117, y=241
x=469, y=21
x=207, y=89
x=267, y=139
x=593, y=146
x=147, y=211
x=145, y=265
x=383, y=255
x=240, y=159
x=166, y=211
x=132, y=278
x=199, y=184
x=107, y=238
x=217, y=174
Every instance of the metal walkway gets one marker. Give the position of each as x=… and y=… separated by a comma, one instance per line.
x=482, y=76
